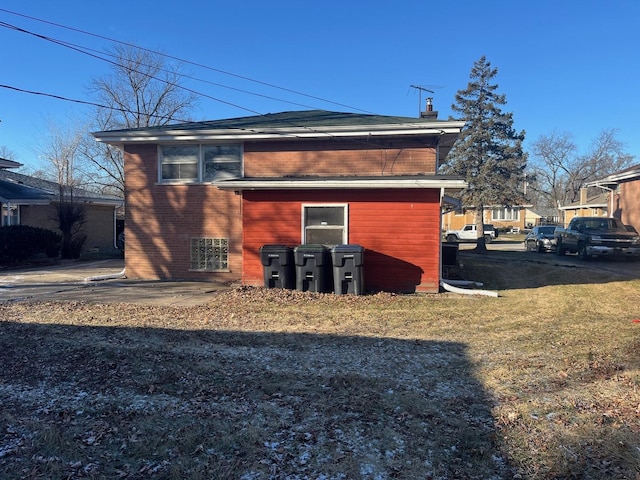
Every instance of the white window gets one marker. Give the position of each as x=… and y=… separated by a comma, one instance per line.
x=199, y=163
x=209, y=254
x=10, y=215
x=324, y=224
x=505, y=214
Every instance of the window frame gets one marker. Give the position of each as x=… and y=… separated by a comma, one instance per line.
x=345, y=217
x=200, y=161
x=505, y=217
x=10, y=214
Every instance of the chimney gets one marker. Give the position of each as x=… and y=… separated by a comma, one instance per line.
x=429, y=113
x=583, y=196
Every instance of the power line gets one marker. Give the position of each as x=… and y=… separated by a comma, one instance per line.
x=72, y=47
x=270, y=85
x=85, y=50
x=83, y=102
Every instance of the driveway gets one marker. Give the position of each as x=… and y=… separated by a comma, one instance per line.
x=100, y=281
x=514, y=250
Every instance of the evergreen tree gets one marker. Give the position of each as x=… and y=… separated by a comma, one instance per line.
x=488, y=153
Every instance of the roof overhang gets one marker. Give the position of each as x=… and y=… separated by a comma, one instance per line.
x=616, y=178
x=118, y=137
x=448, y=183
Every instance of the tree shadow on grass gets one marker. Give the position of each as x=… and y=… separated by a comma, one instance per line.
x=228, y=404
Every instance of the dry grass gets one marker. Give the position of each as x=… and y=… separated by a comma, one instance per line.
x=543, y=382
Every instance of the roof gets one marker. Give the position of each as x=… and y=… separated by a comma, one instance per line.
x=17, y=193
x=24, y=189
x=6, y=163
x=596, y=201
x=544, y=211
x=631, y=173
x=448, y=182
x=294, y=125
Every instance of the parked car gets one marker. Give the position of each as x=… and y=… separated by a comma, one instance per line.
x=541, y=239
x=631, y=228
x=597, y=236
x=468, y=234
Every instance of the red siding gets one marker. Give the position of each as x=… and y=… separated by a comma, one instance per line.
x=398, y=228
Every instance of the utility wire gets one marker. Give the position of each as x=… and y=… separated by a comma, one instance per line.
x=85, y=50
x=242, y=77
x=64, y=44
x=83, y=102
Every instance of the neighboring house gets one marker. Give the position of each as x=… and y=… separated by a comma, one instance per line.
x=623, y=195
x=504, y=218
x=589, y=205
x=541, y=216
x=31, y=201
x=203, y=197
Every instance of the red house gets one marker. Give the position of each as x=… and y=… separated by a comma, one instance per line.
x=203, y=197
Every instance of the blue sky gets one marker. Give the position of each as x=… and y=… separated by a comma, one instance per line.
x=569, y=66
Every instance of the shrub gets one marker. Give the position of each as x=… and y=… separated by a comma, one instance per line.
x=19, y=242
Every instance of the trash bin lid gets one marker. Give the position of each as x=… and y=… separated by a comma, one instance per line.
x=349, y=248
x=310, y=247
x=275, y=248
x=341, y=252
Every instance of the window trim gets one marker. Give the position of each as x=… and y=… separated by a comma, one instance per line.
x=515, y=210
x=345, y=226
x=200, y=161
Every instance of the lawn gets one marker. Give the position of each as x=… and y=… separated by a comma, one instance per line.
x=542, y=382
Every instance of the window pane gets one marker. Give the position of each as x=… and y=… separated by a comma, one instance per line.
x=325, y=236
x=179, y=154
x=324, y=216
x=221, y=158
x=180, y=171
x=179, y=162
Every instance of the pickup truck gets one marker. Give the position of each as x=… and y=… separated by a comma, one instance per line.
x=468, y=234
x=597, y=236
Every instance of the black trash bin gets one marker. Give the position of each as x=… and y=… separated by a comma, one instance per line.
x=348, y=264
x=313, y=268
x=278, y=266
x=450, y=254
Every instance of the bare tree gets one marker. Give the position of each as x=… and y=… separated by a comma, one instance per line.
x=142, y=90
x=59, y=156
x=7, y=153
x=559, y=171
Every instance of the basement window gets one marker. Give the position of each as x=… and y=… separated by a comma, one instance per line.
x=324, y=224
x=209, y=254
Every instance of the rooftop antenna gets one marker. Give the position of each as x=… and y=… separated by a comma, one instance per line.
x=421, y=89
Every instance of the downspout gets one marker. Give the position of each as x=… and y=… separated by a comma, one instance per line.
x=115, y=228
x=610, y=190
x=448, y=284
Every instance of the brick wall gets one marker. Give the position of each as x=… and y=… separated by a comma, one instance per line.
x=161, y=220
x=336, y=158
x=627, y=203
x=99, y=226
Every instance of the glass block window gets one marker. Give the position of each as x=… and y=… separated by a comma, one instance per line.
x=209, y=254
